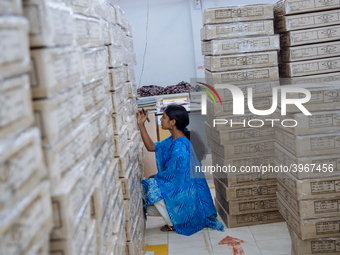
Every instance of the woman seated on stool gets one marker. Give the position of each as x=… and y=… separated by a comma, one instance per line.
x=177, y=193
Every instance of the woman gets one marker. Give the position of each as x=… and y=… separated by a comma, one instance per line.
x=177, y=192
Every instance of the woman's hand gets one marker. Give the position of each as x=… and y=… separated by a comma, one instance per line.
x=141, y=117
x=152, y=176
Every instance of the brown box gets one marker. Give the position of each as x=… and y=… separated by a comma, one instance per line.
x=54, y=69
x=247, y=219
x=306, y=52
x=329, y=246
x=308, y=67
x=240, y=61
x=242, y=76
x=16, y=105
x=234, y=30
x=307, y=20
x=239, y=45
x=239, y=135
x=15, y=59
x=310, y=228
x=242, y=179
x=310, y=167
x=312, y=208
x=267, y=159
x=94, y=62
x=319, y=78
x=232, y=14
x=245, y=192
x=285, y=7
x=313, y=35
x=309, y=145
x=310, y=188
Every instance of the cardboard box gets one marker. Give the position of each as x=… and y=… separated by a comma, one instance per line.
x=313, y=35
x=234, y=30
x=11, y=7
x=232, y=14
x=129, y=181
x=94, y=62
x=132, y=89
x=124, y=161
x=319, y=78
x=120, y=141
x=118, y=98
x=15, y=58
x=308, y=167
x=119, y=120
x=97, y=127
x=17, y=113
x=308, y=145
x=327, y=65
x=94, y=95
x=41, y=247
x=241, y=179
x=307, y=20
x=306, y=52
x=80, y=6
x=105, y=29
x=285, y=7
x=53, y=70
x=116, y=56
x=244, y=161
x=117, y=77
x=313, y=208
x=88, y=31
x=310, y=228
x=120, y=17
x=240, y=61
x=310, y=188
x=34, y=216
x=242, y=76
x=239, y=135
x=247, y=219
x=245, y=192
x=45, y=28
x=90, y=245
x=56, y=116
x=315, y=246
x=239, y=45
x=131, y=74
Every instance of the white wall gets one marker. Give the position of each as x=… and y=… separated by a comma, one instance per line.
x=173, y=46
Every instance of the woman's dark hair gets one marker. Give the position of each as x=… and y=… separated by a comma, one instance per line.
x=180, y=114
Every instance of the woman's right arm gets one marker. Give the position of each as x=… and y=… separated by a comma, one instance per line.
x=141, y=118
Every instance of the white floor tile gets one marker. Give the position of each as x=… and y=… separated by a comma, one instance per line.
x=149, y=253
x=270, y=231
x=177, y=241
x=242, y=233
x=248, y=248
x=156, y=239
x=197, y=250
x=281, y=246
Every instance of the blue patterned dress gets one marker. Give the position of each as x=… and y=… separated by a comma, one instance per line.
x=186, y=193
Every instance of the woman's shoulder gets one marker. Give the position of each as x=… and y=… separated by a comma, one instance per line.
x=181, y=143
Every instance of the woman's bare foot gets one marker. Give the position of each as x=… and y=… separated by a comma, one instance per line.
x=167, y=228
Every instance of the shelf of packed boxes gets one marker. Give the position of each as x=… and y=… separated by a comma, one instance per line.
x=310, y=33
x=25, y=205
x=309, y=194
x=240, y=48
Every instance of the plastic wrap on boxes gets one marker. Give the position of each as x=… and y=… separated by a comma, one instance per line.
x=99, y=9
x=110, y=12
x=241, y=178
x=94, y=94
x=70, y=199
x=73, y=244
x=131, y=74
x=116, y=56
x=15, y=58
x=120, y=17
x=100, y=155
x=132, y=89
x=309, y=145
x=54, y=69
x=11, y=7
x=22, y=160
x=80, y=6
x=319, y=78
x=108, y=104
x=141, y=153
x=88, y=31
x=312, y=208
x=115, y=33
x=135, y=139
x=45, y=27
x=97, y=127
x=309, y=228
x=239, y=45
x=314, y=51
x=308, y=20
x=42, y=247
x=233, y=30
x=232, y=14
x=239, y=135
x=120, y=141
x=34, y=216
x=131, y=107
x=247, y=219
x=128, y=183
x=119, y=120
x=308, y=67
x=124, y=161
x=313, y=35
x=16, y=105
x=240, y=61
x=245, y=192
x=316, y=167
x=94, y=62
x=117, y=77
x=105, y=31
x=132, y=127
x=113, y=247
x=56, y=116
x=284, y=7
x=118, y=98
x=242, y=76
x=67, y=153
x=310, y=188
x=323, y=97
x=90, y=245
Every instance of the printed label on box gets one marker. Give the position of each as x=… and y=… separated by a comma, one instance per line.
x=328, y=227
x=325, y=187
x=327, y=206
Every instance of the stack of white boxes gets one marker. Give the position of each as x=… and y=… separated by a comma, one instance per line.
x=309, y=190
x=25, y=205
x=310, y=34
x=240, y=48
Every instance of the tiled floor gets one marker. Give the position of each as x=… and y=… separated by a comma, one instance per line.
x=267, y=239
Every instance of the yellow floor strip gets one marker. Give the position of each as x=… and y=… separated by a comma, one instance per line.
x=161, y=249
x=211, y=187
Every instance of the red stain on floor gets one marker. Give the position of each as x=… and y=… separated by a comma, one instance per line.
x=234, y=244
